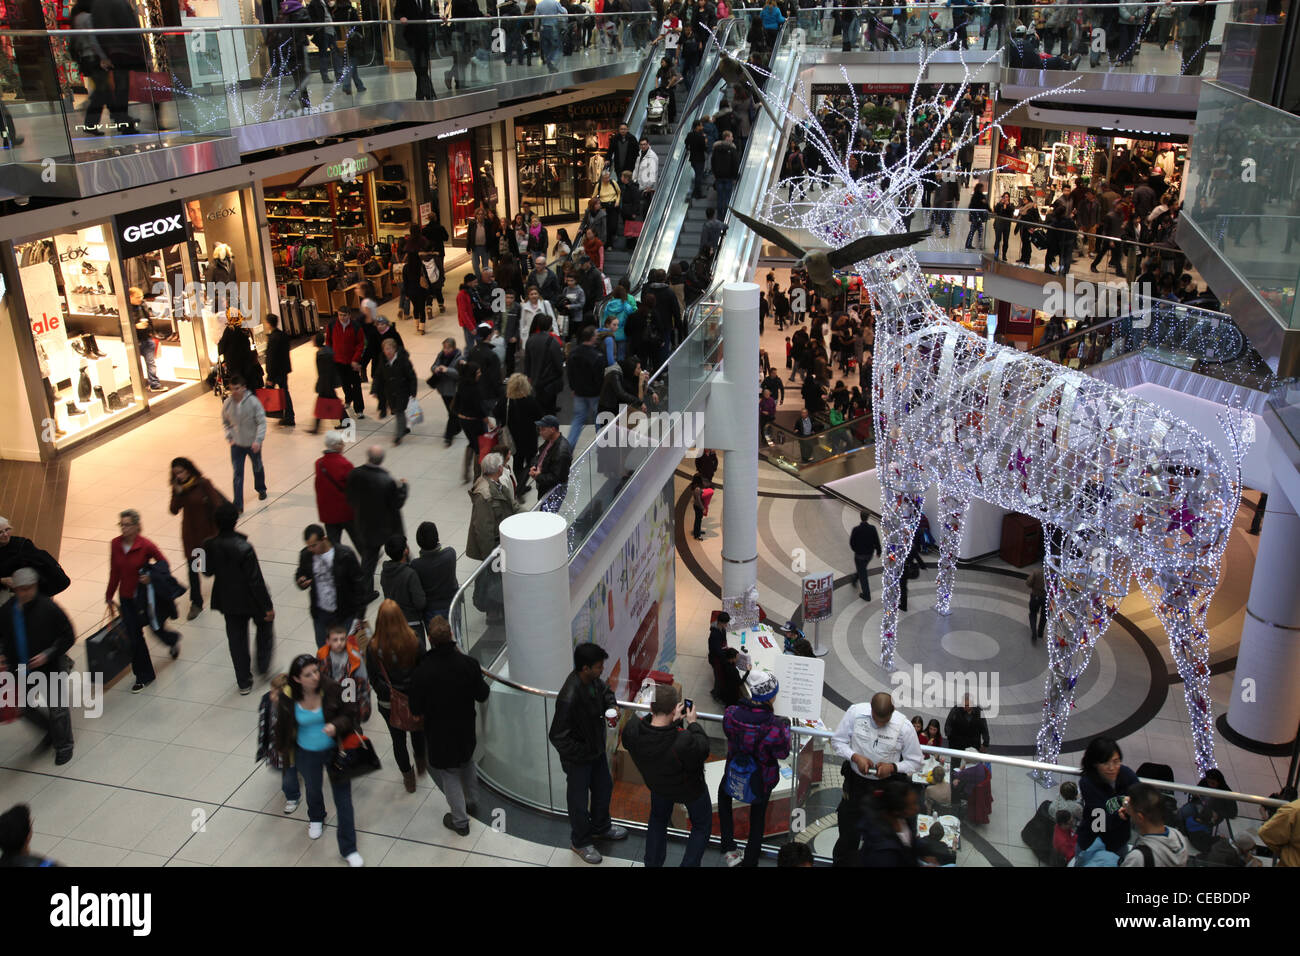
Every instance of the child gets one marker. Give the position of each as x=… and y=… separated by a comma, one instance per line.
x=1068, y=801
x=266, y=720
x=1065, y=838
x=341, y=659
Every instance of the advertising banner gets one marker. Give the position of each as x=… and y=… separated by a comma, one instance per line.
x=817, y=590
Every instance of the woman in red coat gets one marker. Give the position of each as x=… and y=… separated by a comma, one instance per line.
x=465, y=312
x=128, y=557
x=332, y=470
x=195, y=499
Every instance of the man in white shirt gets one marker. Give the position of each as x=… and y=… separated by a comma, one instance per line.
x=876, y=742
x=646, y=171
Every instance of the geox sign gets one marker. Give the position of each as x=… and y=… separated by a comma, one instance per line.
x=144, y=230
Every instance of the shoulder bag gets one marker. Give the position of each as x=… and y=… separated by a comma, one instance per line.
x=399, y=706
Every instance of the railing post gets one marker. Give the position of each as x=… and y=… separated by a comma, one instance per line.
x=535, y=587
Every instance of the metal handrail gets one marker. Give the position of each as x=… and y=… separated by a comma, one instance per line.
x=346, y=25
x=847, y=423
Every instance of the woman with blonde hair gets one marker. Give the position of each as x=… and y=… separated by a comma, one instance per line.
x=519, y=412
x=391, y=657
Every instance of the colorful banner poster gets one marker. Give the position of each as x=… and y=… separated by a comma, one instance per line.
x=632, y=611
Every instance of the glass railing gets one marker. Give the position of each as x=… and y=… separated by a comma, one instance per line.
x=787, y=449
x=1284, y=400
x=1241, y=193
x=78, y=94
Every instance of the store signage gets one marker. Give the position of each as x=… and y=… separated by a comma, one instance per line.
x=73, y=254
x=817, y=591
x=838, y=89
x=454, y=132
x=346, y=169
x=1011, y=164
x=221, y=213
x=155, y=227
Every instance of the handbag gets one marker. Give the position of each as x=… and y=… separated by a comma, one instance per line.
x=414, y=414
x=329, y=408
x=272, y=399
x=739, y=776
x=354, y=757
x=108, y=650
x=487, y=442
x=149, y=87
x=399, y=705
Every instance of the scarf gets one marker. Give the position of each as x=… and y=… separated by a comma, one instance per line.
x=535, y=231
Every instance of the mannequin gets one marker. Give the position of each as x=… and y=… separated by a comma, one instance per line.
x=223, y=263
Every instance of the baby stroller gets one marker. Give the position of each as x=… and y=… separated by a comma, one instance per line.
x=656, y=114
x=219, y=380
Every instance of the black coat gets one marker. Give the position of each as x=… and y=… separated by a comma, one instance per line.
x=520, y=417
x=397, y=380
x=555, y=468
x=23, y=553
x=350, y=587
x=278, y=363
x=48, y=630
x=238, y=587
x=964, y=730
x=166, y=589
x=327, y=375
x=578, y=728
x=444, y=689
x=376, y=501
x=544, y=362
x=881, y=846
x=622, y=152
x=864, y=540
x=437, y=571
x=671, y=759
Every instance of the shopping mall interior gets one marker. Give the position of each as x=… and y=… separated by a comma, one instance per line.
x=1014, y=286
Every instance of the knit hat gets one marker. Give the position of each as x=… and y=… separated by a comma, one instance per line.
x=762, y=686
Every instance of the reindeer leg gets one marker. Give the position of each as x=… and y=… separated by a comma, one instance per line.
x=1182, y=613
x=900, y=513
x=952, y=515
x=1077, y=617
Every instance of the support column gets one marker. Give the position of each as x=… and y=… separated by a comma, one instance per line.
x=535, y=585
x=1265, y=705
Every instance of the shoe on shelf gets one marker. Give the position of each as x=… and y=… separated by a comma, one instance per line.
x=354, y=859
x=314, y=830
x=589, y=854
x=450, y=824
x=290, y=806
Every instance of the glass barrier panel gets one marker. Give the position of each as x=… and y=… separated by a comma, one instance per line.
x=36, y=112
x=514, y=747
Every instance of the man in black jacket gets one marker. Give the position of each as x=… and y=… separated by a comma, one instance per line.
x=395, y=376
x=436, y=567
x=553, y=458
x=622, y=151
x=670, y=756
x=376, y=501
x=239, y=592
x=668, y=312
x=726, y=167
x=864, y=541
x=278, y=364
x=444, y=688
x=544, y=365
x=485, y=356
x=42, y=646
x=586, y=376
x=966, y=727
x=578, y=735
x=339, y=591
x=18, y=552
x=697, y=149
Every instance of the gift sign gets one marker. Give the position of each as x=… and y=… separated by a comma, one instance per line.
x=817, y=591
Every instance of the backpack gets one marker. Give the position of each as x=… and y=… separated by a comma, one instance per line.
x=737, y=781
x=1037, y=833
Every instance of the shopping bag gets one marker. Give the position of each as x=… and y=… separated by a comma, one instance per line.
x=272, y=399
x=487, y=442
x=354, y=757
x=414, y=414
x=632, y=228
x=329, y=408
x=108, y=650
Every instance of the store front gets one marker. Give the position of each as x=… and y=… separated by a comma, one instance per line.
x=462, y=170
x=560, y=155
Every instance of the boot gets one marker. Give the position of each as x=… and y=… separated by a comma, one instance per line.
x=408, y=780
x=421, y=765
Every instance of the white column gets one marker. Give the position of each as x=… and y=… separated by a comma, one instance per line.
x=1267, y=709
x=535, y=585
x=732, y=425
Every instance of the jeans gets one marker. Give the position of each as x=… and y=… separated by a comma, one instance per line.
x=860, y=562
x=328, y=52
x=700, y=810
x=460, y=786
x=975, y=229
x=321, y=621
x=550, y=44
x=515, y=45
x=587, y=794
x=471, y=338
x=584, y=410
x=479, y=259
x=237, y=638
x=289, y=783
x=757, y=821
x=1001, y=239
x=237, y=455
x=351, y=75
x=401, y=756
x=55, y=721
x=149, y=352
x=311, y=764
x=724, y=188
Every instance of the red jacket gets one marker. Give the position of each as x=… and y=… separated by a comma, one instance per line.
x=348, y=343
x=332, y=470
x=465, y=310
x=124, y=568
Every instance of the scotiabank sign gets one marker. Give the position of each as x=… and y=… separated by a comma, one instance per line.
x=144, y=230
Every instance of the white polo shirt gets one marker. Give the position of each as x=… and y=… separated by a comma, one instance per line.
x=894, y=743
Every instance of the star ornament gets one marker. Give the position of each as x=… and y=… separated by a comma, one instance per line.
x=1183, y=519
x=1018, y=463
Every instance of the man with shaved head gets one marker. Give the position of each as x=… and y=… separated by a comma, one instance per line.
x=376, y=501
x=876, y=742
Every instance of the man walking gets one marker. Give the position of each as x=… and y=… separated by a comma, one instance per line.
x=578, y=735
x=697, y=149
x=444, y=688
x=864, y=541
x=965, y=727
x=622, y=152
x=669, y=748
x=35, y=637
x=244, y=419
x=1037, y=604
x=376, y=500
x=339, y=594
x=876, y=742
x=726, y=167
x=347, y=339
x=397, y=384
x=586, y=368
x=279, y=365
x=239, y=592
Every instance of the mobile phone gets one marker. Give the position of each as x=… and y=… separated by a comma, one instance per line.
x=688, y=704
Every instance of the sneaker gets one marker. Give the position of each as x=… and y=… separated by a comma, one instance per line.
x=314, y=830
x=450, y=824
x=732, y=857
x=244, y=691
x=588, y=853
x=615, y=832
x=291, y=805
x=139, y=686
x=354, y=859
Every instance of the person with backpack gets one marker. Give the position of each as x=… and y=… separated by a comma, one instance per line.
x=757, y=740
x=1157, y=844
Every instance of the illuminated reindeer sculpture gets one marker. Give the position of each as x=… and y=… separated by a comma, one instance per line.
x=1123, y=488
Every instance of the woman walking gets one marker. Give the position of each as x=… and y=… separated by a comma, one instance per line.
x=519, y=412
x=313, y=721
x=195, y=499
x=415, y=286
x=129, y=555
x=391, y=657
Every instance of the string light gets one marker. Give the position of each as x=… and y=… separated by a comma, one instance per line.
x=1122, y=487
